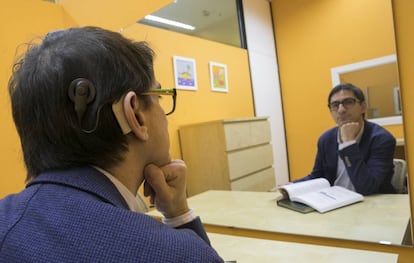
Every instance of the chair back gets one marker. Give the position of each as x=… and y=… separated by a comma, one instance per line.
x=399, y=179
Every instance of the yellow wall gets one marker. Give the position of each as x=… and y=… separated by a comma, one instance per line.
x=20, y=22
x=311, y=38
x=37, y=17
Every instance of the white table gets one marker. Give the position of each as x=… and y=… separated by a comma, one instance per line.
x=379, y=218
x=253, y=250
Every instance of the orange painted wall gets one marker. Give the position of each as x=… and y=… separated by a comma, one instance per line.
x=20, y=22
x=37, y=17
x=311, y=38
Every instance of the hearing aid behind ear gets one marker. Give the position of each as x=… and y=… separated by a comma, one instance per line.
x=81, y=91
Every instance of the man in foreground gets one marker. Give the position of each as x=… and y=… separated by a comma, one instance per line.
x=87, y=109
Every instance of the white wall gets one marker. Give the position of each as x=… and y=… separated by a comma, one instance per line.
x=265, y=78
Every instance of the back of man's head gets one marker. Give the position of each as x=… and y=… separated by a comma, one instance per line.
x=62, y=91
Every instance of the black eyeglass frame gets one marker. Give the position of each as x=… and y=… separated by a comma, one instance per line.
x=346, y=103
x=169, y=92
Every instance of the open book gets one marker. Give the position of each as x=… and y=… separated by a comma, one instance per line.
x=317, y=194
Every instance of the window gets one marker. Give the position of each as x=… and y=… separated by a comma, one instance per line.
x=216, y=20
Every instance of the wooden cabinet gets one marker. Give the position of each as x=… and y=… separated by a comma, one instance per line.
x=231, y=154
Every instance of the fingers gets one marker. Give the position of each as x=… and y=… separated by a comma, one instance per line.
x=349, y=131
x=154, y=178
x=154, y=182
x=353, y=124
x=159, y=178
x=166, y=187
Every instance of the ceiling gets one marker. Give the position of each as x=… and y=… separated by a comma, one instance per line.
x=216, y=20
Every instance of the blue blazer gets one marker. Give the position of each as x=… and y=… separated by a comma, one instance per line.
x=79, y=216
x=369, y=163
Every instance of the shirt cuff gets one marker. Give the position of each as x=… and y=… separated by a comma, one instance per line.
x=346, y=144
x=179, y=220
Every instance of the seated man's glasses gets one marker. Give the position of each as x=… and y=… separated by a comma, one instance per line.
x=168, y=104
x=346, y=103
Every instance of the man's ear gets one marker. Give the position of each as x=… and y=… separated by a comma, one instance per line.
x=134, y=116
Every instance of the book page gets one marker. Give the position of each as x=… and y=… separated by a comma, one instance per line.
x=300, y=188
x=330, y=198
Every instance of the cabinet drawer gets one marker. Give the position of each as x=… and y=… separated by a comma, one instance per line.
x=260, y=181
x=249, y=160
x=245, y=134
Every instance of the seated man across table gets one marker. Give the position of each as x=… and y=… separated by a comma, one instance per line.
x=356, y=154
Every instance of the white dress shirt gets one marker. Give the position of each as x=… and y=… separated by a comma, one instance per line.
x=137, y=203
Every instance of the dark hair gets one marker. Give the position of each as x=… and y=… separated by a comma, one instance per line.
x=347, y=86
x=51, y=135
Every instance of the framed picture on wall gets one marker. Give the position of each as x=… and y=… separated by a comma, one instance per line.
x=185, y=75
x=218, y=77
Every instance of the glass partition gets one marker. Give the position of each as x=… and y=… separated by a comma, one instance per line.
x=216, y=20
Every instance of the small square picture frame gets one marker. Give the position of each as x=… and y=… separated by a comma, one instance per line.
x=218, y=77
x=185, y=73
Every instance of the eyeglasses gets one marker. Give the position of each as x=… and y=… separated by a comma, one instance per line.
x=346, y=103
x=167, y=104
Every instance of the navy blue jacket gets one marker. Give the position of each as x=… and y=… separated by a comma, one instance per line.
x=369, y=163
x=79, y=216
